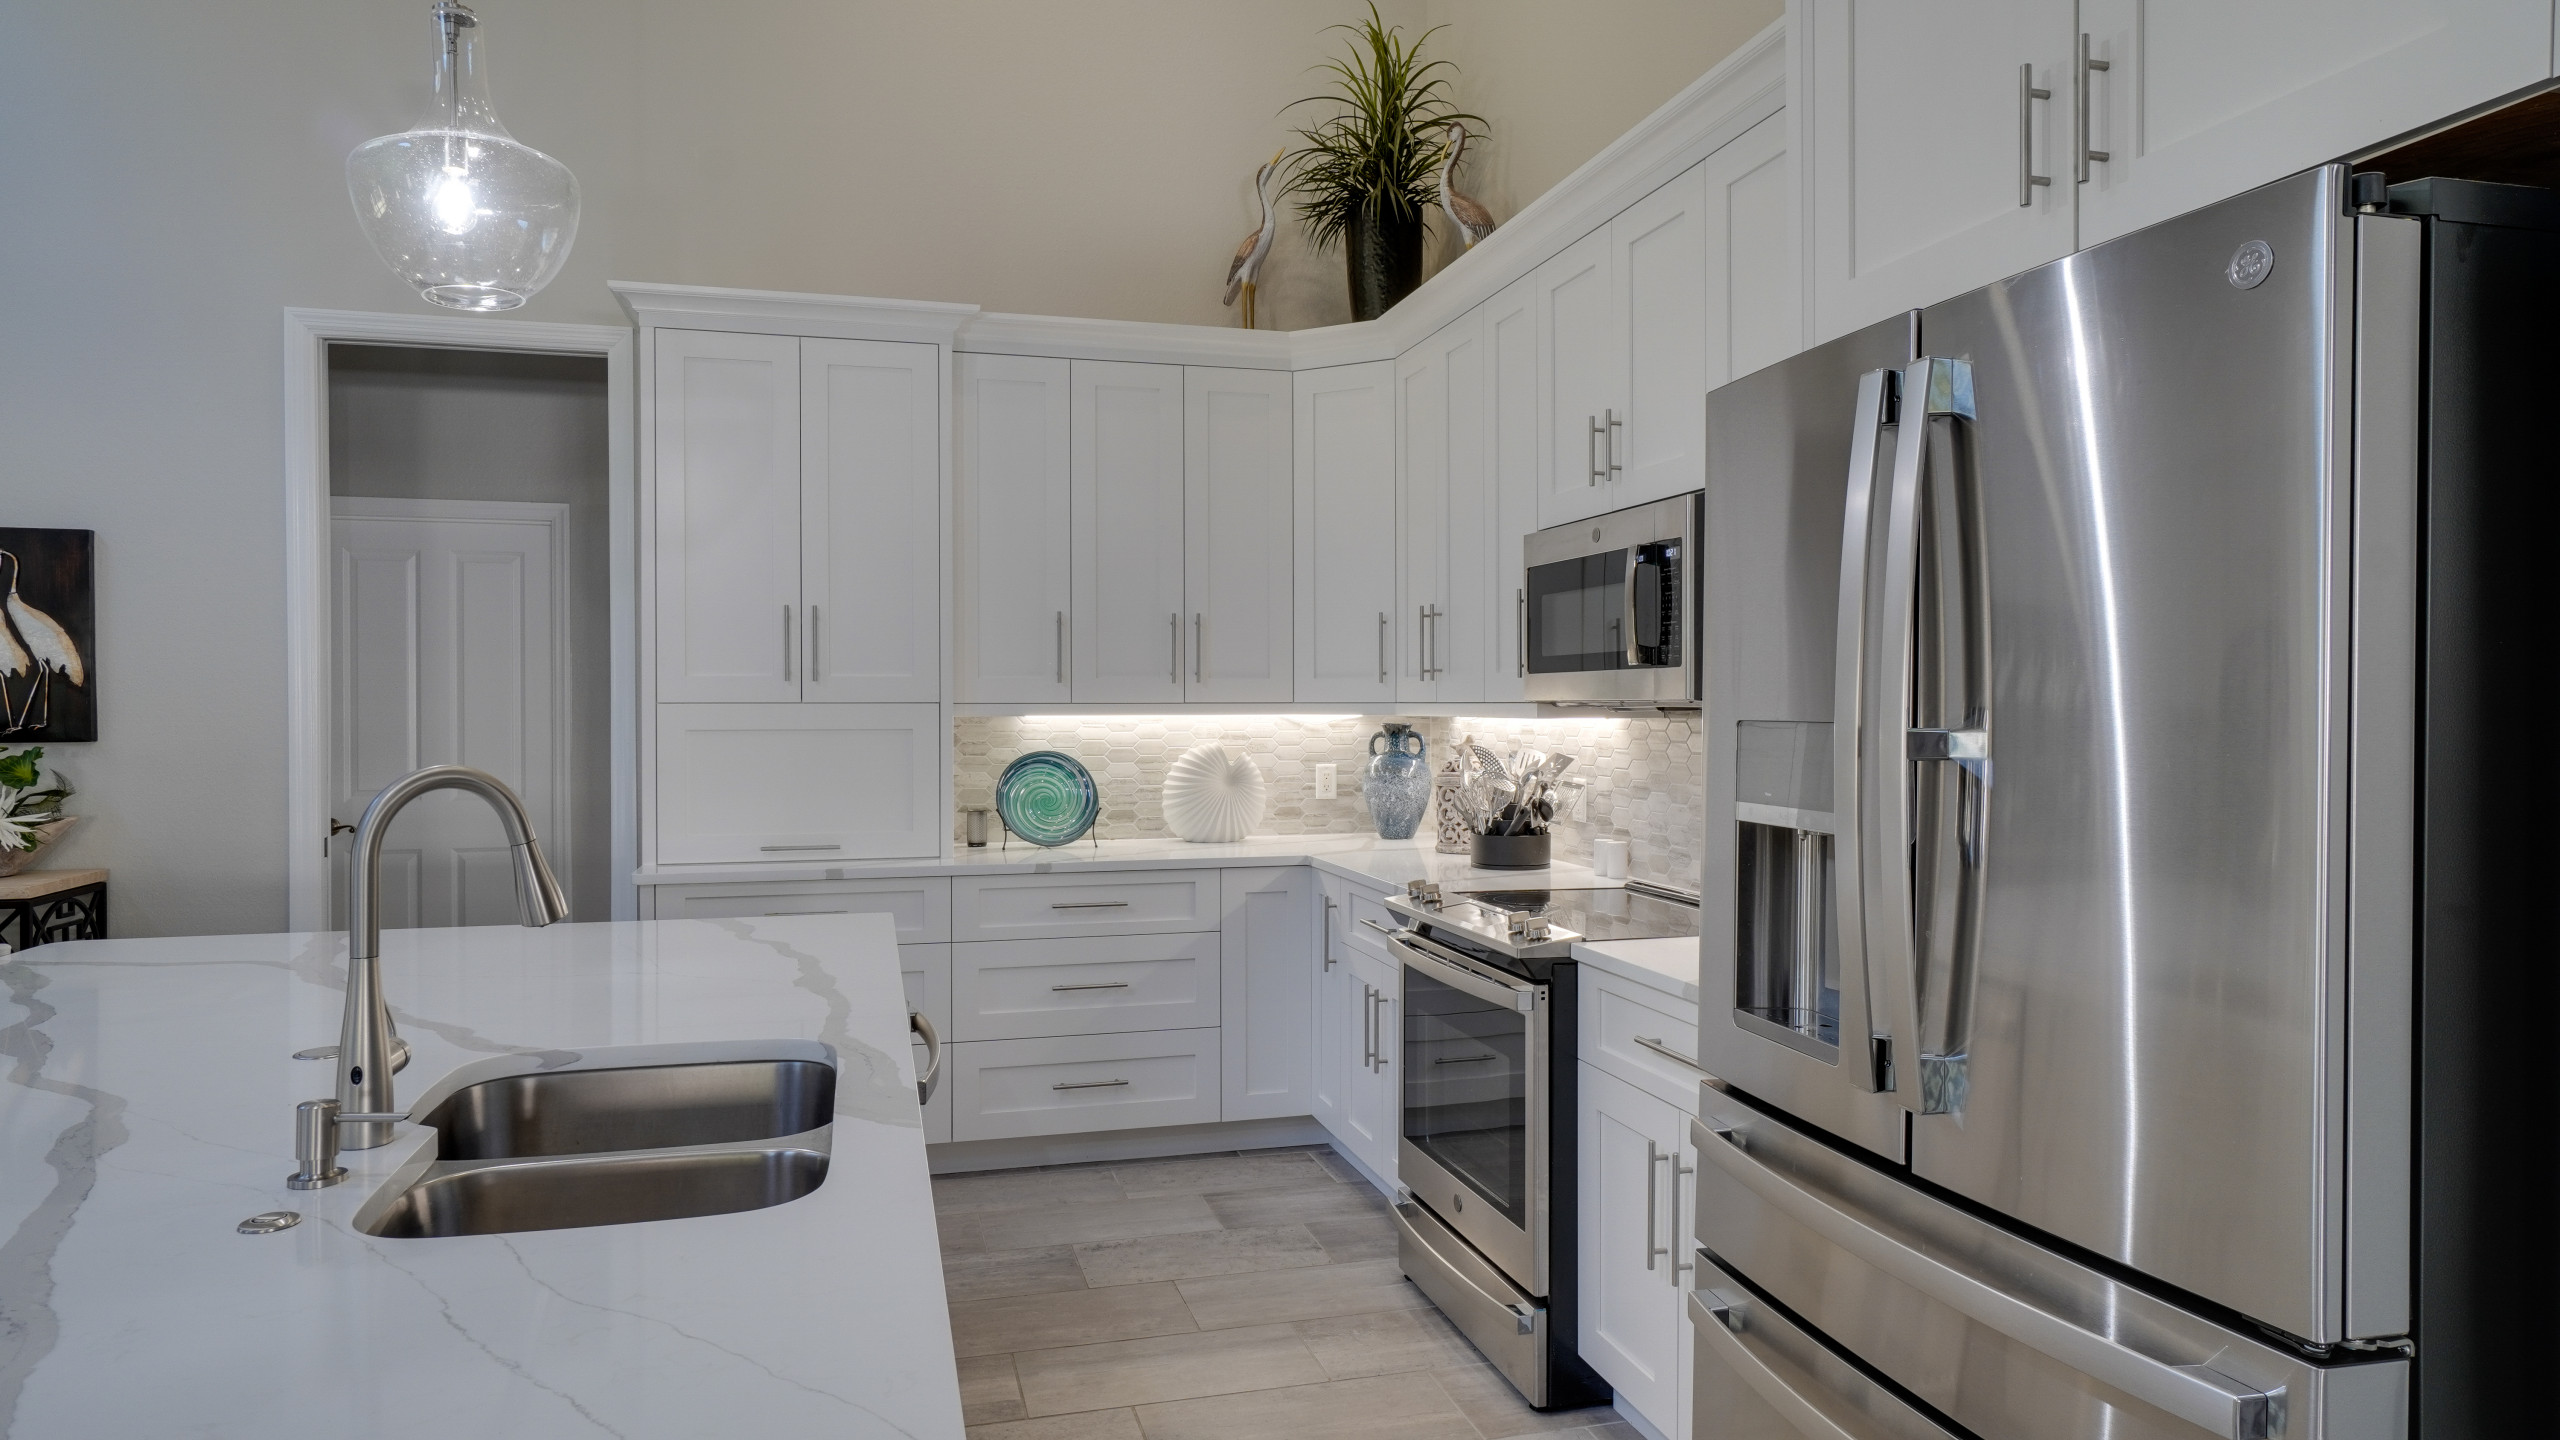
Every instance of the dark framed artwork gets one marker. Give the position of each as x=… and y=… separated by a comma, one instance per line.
x=48, y=635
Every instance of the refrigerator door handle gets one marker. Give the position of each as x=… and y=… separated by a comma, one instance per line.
x=1723, y=1322
x=2195, y=1393
x=1861, y=1019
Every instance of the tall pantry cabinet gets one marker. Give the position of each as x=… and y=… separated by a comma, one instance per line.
x=791, y=582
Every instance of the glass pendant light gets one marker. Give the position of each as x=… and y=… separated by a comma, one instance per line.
x=458, y=208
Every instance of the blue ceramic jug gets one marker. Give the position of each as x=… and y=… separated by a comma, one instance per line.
x=1398, y=784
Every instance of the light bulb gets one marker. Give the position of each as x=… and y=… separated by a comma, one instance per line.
x=457, y=207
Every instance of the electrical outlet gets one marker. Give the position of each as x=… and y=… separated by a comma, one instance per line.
x=1324, y=782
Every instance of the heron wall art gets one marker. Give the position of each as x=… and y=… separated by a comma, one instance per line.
x=47, y=640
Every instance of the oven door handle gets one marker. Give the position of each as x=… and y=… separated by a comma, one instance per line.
x=1520, y=995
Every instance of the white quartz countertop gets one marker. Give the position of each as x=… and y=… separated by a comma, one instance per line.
x=1670, y=966
x=148, y=1108
x=1385, y=864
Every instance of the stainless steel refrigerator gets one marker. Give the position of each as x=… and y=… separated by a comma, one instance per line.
x=2128, y=758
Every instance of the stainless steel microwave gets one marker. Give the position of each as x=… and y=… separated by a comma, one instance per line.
x=1612, y=608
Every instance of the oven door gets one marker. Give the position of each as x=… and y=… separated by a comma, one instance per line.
x=1611, y=607
x=1474, y=1143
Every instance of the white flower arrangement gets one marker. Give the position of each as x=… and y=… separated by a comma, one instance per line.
x=29, y=797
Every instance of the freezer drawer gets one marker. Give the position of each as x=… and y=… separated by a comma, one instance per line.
x=2010, y=1340
x=1759, y=1377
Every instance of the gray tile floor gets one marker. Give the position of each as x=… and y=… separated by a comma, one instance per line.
x=1237, y=1296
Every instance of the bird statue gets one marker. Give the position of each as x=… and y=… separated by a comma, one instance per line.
x=1473, y=220
x=1250, y=254
x=30, y=637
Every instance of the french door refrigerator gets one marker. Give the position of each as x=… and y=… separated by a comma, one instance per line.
x=2126, y=741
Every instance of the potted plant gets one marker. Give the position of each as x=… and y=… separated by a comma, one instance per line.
x=1365, y=176
x=30, y=807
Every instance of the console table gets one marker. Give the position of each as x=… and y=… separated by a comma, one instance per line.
x=38, y=907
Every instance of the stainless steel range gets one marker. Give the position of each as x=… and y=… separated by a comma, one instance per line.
x=1487, y=1145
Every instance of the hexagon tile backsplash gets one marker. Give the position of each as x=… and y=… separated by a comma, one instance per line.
x=1644, y=777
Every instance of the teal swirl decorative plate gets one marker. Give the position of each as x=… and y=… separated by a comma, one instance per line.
x=1047, y=798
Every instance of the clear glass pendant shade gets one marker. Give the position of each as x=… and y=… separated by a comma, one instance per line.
x=458, y=208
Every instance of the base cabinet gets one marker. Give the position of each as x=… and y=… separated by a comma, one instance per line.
x=1067, y=1085
x=1633, y=1171
x=1355, y=1088
x=1267, y=929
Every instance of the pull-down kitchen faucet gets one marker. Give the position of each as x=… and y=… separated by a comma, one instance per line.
x=362, y=1115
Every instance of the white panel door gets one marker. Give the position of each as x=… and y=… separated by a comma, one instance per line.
x=1658, y=271
x=1511, y=432
x=798, y=782
x=1422, y=497
x=1630, y=1239
x=450, y=639
x=1127, y=626
x=1345, y=458
x=1238, y=513
x=1919, y=162
x=1461, y=632
x=2202, y=100
x=1755, y=305
x=1010, y=476
x=727, y=516
x=1376, y=1110
x=1267, y=938
x=1581, y=377
x=871, y=520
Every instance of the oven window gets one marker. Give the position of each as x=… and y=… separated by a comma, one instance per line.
x=1466, y=1090
x=1582, y=616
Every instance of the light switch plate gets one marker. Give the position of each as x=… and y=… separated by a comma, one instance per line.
x=1325, y=784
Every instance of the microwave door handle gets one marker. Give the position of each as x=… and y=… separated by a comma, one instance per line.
x=1859, y=1015
x=1635, y=646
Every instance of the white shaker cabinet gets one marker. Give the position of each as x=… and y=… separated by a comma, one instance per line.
x=776, y=783
x=1578, y=379
x=1127, y=626
x=1010, y=476
x=2201, y=100
x=1635, y=1173
x=1926, y=146
x=1754, y=302
x=1444, y=499
x=870, y=520
x=1237, y=561
x=1266, y=931
x=727, y=517
x=1373, y=1114
x=1358, y=1061
x=1510, y=322
x=1345, y=462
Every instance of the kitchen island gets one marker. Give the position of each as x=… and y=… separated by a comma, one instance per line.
x=148, y=1109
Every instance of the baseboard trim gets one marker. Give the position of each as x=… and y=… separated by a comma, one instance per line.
x=1154, y=1143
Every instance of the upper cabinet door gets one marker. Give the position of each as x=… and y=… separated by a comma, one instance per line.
x=1754, y=301
x=1345, y=458
x=1129, y=638
x=1511, y=439
x=1237, y=510
x=1925, y=140
x=1658, y=273
x=2201, y=100
x=728, y=517
x=1422, y=494
x=1010, y=477
x=871, y=520
x=1461, y=628
x=1581, y=376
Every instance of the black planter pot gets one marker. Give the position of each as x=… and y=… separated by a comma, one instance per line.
x=1510, y=852
x=1385, y=261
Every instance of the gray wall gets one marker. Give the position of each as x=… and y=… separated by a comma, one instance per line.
x=426, y=424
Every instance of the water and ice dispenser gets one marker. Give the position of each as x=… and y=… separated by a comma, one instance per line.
x=1787, y=960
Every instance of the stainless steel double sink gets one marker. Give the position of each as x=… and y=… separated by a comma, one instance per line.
x=611, y=1146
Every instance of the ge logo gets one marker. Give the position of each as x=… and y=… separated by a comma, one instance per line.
x=2249, y=265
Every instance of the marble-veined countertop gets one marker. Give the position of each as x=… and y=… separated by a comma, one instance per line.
x=146, y=1108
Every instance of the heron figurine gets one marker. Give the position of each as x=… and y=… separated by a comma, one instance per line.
x=1473, y=220
x=1256, y=246
x=32, y=640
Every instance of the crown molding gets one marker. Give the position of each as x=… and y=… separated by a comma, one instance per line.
x=1075, y=339
x=782, y=312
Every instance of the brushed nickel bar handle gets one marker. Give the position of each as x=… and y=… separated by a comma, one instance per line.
x=1199, y=646
x=1175, y=620
x=2082, y=155
x=779, y=849
x=1591, y=454
x=813, y=645
x=1087, y=1084
x=1374, y=925
x=1667, y=1053
x=778, y=914
x=2028, y=94
x=786, y=644
x=1520, y=629
x=1652, y=1193
x=1673, y=1233
x=1086, y=904
x=1616, y=423
x=1062, y=647
x=1382, y=647
x=1329, y=908
x=1096, y=985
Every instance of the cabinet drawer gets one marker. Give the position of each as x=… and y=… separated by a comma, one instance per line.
x=1005, y=1088
x=1369, y=906
x=1087, y=985
x=921, y=907
x=1129, y=902
x=1615, y=1012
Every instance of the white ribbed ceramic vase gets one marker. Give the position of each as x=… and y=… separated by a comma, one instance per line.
x=1213, y=795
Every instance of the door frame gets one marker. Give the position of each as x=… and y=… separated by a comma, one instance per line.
x=307, y=618
x=562, y=832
